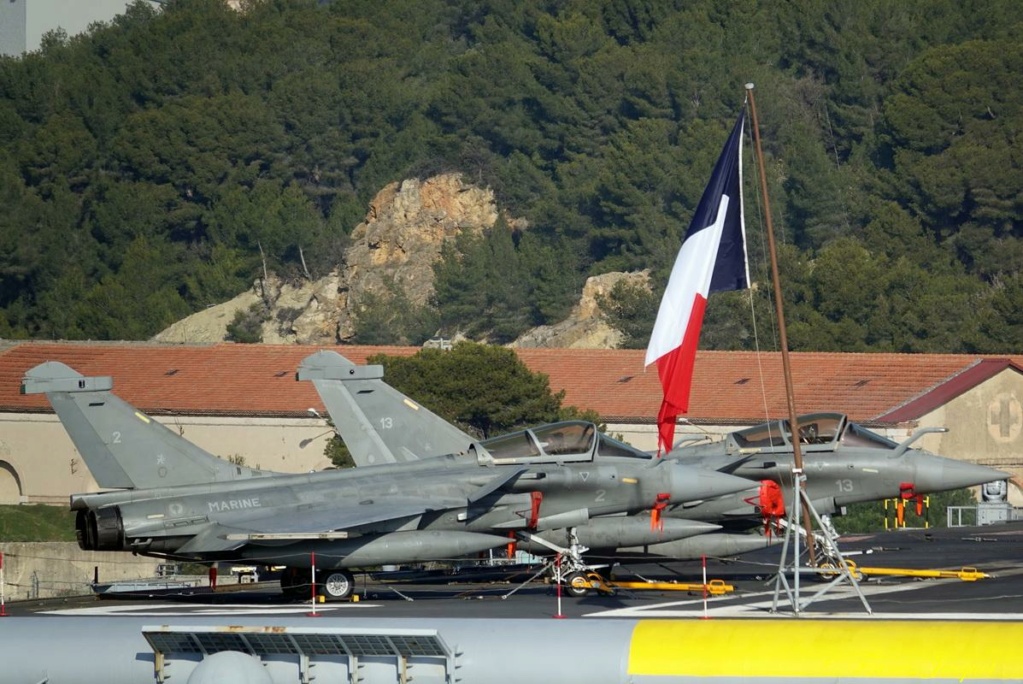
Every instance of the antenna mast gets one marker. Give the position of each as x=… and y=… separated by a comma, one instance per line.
x=798, y=474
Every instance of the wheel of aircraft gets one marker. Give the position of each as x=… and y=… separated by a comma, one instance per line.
x=577, y=584
x=338, y=585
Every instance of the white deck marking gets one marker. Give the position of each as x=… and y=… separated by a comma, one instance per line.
x=179, y=611
x=727, y=606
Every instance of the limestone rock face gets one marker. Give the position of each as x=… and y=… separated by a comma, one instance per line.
x=210, y=325
x=585, y=327
x=302, y=313
x=393, y=250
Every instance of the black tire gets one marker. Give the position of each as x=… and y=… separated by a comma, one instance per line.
x=577, y=585
x=337, y=585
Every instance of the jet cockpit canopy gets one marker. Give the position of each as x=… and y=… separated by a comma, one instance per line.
x=817, y=432
x=571, y=441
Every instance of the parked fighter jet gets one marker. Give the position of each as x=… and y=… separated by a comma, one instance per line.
x=379, y=423
x=844, y=462
x=175, y=500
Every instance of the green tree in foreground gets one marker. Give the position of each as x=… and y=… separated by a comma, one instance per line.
x=337, y=451
x=870, y=516
x=484, y=390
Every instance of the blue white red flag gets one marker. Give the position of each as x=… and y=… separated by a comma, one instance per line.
x=712, y=259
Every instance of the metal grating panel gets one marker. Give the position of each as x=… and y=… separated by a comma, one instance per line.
x=318, y=644
x=271, y=644
x=170, y=642
x=264, y=641
x=217, y=642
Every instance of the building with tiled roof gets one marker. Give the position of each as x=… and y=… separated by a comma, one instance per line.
x=243, y=401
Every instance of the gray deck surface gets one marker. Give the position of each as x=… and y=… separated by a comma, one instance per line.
x=996, y=550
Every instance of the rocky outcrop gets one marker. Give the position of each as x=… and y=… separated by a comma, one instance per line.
x=585, y=327
x=392, y=251
x=396, y=246
x=208, y=326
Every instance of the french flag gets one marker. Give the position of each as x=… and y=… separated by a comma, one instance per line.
x=712, y=259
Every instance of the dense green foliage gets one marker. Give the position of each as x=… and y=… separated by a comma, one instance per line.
x=36, y=523
x=871, y=516
x=485, y=390
x=151, y=167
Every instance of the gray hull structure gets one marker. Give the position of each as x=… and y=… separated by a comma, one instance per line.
x=200, y=650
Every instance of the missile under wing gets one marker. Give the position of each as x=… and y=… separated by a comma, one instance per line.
x=169, y=498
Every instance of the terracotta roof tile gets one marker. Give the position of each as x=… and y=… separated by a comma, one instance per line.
x=223, y=379
x=728, y=387
x=971, y=376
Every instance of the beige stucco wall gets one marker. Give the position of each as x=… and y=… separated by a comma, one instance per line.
x=985, y=425
x=49, y=469
x=39, y=464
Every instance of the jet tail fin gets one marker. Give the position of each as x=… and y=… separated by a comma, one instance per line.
x=378, y=423
x=123, y=447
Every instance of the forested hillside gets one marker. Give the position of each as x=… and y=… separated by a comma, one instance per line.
x=150, y=168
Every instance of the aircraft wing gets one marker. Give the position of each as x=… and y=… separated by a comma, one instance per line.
x=326, y=523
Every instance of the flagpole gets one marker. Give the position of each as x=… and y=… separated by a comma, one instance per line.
x=797, y=452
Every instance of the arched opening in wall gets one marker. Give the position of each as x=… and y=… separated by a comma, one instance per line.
x=10, y=484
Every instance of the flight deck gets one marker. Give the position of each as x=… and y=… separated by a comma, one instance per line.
x=991, y=556
x=504, y=631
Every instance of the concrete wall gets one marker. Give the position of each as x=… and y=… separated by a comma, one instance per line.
x=48, y=569
x=39, y=464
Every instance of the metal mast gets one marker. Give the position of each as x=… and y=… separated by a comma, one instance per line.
x=800, y=499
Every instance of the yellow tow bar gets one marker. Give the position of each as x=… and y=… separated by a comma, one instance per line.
x=964, y=574
x=715, y=587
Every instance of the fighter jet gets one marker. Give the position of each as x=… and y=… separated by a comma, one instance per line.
x=844, y=462
x=380, y=424
x=171, y=499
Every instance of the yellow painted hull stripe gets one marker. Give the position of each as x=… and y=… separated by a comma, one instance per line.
x=802, y=647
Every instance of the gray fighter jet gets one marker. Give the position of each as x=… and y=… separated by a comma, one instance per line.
x=380, y=424
x=844, y=462
x=174, y=500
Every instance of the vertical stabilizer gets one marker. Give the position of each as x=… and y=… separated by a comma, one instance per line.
x=123, y=447
x=378, y=423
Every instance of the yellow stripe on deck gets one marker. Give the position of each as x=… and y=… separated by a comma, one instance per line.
x=800, y=647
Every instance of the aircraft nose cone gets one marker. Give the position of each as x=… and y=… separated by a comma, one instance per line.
x=935, y=474
x=693, y=484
